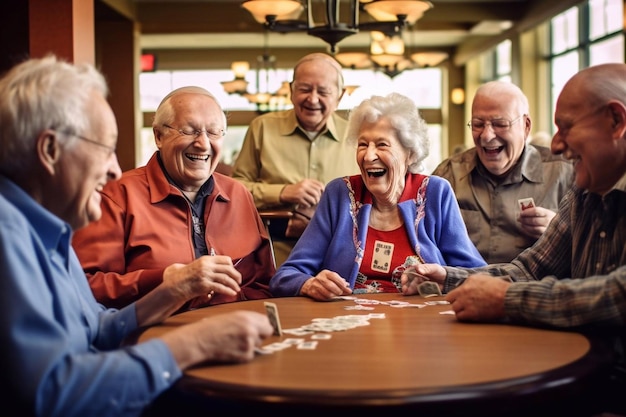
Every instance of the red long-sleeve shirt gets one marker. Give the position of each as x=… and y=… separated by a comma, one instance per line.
x=146, y=225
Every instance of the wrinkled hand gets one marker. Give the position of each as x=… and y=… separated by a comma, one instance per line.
x=228, y=337
x=414, y=275
x=535, y=220
x=205, y=275
x=325, y=285
x=306, y=192
x=479, y=298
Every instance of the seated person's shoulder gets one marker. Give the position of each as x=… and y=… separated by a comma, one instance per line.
x=227, y=183
x=436, y=182
x=459, y=163
x=272, y=117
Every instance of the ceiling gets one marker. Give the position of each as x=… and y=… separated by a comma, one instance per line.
x=461, y=28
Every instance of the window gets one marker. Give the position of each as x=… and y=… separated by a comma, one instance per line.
x=423, y=85
x=585, y=35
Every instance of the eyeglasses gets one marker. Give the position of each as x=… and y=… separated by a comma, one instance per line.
x=498, y=125
x=188, y=131
x=110, y=149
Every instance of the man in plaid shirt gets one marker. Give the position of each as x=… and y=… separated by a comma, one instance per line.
x=574, y=276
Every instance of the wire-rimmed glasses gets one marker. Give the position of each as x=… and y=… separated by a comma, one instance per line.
x=189, y=131
x=497, y=125
x=111, y=149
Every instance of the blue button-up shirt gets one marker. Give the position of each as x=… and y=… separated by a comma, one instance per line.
x=61, y=352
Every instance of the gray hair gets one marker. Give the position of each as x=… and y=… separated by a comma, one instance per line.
x=404, y=117
x=39, y=94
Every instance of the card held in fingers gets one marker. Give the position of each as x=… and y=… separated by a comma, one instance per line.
x=272, y=315
x=428, y=288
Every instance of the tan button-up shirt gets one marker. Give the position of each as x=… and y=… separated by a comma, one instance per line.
x=276, y=152
x=490, y=209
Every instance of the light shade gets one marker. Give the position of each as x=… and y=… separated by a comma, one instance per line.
x=236, y=86
x=429, y=59
x=387, y=60
x=258, y=98
x=354, y=60
x=350, y=89
x=387, y=52
x=389, y=10
x=282, y=9
x=240, y=68
x=284, y=90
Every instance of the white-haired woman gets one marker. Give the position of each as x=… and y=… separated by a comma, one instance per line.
x=368, y=225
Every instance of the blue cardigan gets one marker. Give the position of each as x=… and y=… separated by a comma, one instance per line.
x=335, y=237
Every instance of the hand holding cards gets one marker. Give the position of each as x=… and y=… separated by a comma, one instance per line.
x=272, y=315
x=425, y=287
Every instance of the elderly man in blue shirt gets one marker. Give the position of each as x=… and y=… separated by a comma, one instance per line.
x=61, y=349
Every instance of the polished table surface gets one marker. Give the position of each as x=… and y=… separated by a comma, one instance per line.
x=413, y=359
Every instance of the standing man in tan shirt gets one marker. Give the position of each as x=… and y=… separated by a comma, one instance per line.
x=288, y=157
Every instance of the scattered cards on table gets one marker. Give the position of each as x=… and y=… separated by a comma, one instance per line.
x=320, y=328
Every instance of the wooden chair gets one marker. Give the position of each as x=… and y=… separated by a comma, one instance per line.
x=269, y=215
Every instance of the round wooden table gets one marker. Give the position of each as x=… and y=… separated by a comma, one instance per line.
x=413, y=361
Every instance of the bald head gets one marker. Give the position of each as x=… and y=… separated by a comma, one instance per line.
x=320, y=57
x=186, y=90
x=599, y=84
x=504, y=91
x=165, y=111
x=590, y=117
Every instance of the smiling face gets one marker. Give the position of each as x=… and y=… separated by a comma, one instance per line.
x=590, y=133
x=383, y=160
x=191, y=160
x=499, y=150
x=85, y=167
x=315, y=92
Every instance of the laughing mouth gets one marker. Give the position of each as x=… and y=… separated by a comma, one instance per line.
x=376, y=173
x=493, y=151
x=195, y=157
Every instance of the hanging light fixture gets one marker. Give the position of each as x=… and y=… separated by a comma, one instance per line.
x=239, y=85
x=262, y=97
x=391, y=17
x=386, y=51
x=429, y=59
x=387, y=54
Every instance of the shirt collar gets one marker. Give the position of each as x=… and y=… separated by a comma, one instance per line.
x=54, y=232
x=529, y=166
x=620, y=185
x=205, y=189
x=290, y=125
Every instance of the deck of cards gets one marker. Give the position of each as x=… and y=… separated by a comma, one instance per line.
x=272, y=315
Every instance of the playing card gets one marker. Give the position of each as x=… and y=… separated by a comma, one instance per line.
x=321, y=336
x=525, y=203
x=429, y=288
x=272, y=315
x=311, y=345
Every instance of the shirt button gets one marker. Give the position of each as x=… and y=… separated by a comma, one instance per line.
x=166, y=375
x=598, y=266
x=603, y=234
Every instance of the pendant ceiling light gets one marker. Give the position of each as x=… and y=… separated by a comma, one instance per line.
x=390, y=17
